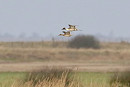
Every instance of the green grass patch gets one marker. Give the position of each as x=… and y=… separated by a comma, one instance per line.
x=90, y=78
x=8, y=78
x=87, y=78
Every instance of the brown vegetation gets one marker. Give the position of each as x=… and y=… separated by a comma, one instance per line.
x=49, y=78
x=49, y=53
x=122, y=78
x=26, y=53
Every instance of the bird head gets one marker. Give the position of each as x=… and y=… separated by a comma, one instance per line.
x=64, y=28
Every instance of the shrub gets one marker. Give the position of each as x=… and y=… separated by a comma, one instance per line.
x=122, y=78
x=83, y=41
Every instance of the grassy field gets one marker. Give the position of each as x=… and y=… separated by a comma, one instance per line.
x=86, y=78
x=91, y=78
x=76, y=79
x=82, y=79
x=26, y=56
x=8, y=78
x=45, y=51
x=94, y=66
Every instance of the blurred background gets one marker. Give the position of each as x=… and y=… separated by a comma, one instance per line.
x=30, y=20
x=30, y=29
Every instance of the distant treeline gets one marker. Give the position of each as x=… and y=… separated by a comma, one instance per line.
x=36, y=37
x=81, y=41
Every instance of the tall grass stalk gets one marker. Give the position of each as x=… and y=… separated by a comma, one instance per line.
x=50, y=81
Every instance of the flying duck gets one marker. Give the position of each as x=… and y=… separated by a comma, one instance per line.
x=71, y=28
x=66, y=34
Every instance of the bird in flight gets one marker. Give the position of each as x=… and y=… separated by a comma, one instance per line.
x=71, y=28
x=68, y=30
x=66, y=34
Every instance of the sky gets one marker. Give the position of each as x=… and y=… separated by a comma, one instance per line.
x=48, y=17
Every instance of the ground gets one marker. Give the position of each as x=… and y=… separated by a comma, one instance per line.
x=93, y=66
x=27, y=56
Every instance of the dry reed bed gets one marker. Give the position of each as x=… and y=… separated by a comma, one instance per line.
x=49, y=78
x=60, y=54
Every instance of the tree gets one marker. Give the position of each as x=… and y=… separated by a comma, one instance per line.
x=84, y=41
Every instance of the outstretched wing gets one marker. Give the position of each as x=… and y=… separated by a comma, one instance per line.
x=71, y=26
x=64, y=32
x=68, y=33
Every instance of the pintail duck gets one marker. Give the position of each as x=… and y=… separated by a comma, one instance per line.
x=71, y=28
x=66, y=34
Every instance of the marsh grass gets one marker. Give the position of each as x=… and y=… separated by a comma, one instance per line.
x=111, y=53
x=49, y=78
x=58, y=54
x=121, y=78
x=49, y=74
x=76, y=79
x=58, y=51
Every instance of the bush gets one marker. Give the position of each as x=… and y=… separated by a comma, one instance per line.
x=83, y=41
x=122, y=78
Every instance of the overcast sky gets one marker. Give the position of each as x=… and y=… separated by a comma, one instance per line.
x=48, y=17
